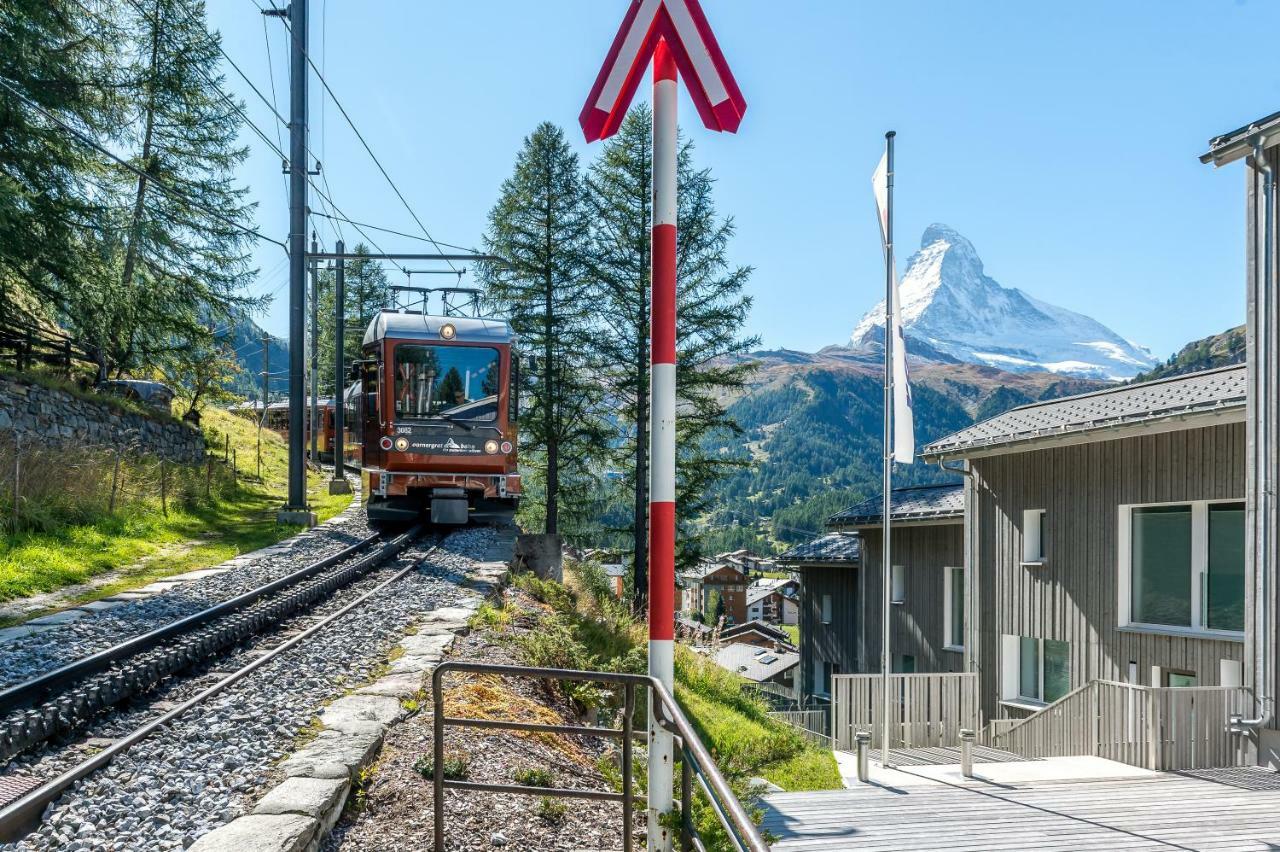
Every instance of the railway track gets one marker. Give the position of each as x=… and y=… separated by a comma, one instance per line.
x=58, y=704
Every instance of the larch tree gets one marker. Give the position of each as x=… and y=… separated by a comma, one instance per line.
x=178, y=266
x=538, y=226
x=711, y=309
x=366, y=291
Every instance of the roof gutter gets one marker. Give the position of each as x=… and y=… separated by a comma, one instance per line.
x=1262, y=614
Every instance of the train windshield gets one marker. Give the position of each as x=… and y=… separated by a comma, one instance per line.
x=446, y=382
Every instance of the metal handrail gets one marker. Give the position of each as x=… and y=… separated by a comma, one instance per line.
x=696, y=762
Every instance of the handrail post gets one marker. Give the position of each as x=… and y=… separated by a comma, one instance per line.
x=863, y=740
x=1153, y=733
x=628, y=707
x=966, y=752
x=437, y=746
x=686, y=799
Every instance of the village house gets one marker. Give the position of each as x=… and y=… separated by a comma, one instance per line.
x=720, y=577
x=771, y=670
x=774, y=600
x=757, y=633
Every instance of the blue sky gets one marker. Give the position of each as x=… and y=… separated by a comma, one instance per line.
x=1061, y=138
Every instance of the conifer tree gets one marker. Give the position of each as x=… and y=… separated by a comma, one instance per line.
x=365, y=290
x=176, y=266
x=538, y=227
x=711, y=309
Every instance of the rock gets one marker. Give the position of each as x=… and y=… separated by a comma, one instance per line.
x=498, y=839
x=354, y=711
x=321, y=798
x=261, y=833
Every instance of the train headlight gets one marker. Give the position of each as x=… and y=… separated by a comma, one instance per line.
x=490, y=447
x=402, y=444
x=385, y=443
x=448, y=332
x=507, y=446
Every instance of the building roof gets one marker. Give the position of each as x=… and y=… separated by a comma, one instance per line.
x=1204, y=394
x=1238, y=143
x=756, y=626
x=427, y=327
x=832, y=547
x=614, y=569
x=756, y=664
x=918, y=503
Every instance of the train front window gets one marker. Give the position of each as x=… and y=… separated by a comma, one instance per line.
x=446, y=382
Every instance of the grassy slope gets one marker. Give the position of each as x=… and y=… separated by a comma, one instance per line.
x=145, y=545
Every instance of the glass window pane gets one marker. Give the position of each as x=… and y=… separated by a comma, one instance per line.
x=1180, y=679
x=450, y=382
x=1029, y=668
x=1225, y=586
x=957, y=607
x=1057, y=669
x=1161, y=581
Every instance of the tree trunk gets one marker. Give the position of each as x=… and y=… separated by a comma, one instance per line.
x=549, y=404
x=640, y=574
x=139, y=201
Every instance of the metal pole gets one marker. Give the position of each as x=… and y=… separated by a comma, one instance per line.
x=662, y=436
x=297, y=498
x=315, y=354
x=863, y=739
x=628, y=742
x=886, y=551
x=266, y=395
x=966, y=752
x=339, y=484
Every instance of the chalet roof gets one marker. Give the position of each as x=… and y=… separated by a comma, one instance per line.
x=832, y=547
x=756, y=626
x=1206, y=393
x=756, y=664
x=614, y=569
x=1238, y=143
x=917, y=503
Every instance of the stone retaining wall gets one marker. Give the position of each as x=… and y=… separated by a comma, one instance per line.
x=51, y=416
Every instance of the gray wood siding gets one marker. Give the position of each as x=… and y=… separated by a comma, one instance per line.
x=1074, y=596
x=916, y=626
x=836, y=642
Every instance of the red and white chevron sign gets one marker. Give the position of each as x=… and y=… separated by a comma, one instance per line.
x=684, y=27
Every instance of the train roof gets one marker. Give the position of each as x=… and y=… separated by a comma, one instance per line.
x=409, y=326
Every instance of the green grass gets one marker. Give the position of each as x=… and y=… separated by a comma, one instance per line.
x=144, y=544
x=793, y=630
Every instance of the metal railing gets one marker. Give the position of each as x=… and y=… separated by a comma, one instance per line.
x=926, y=710
x=696, y=762
x=814, y=725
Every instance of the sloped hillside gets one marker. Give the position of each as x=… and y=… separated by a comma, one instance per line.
x=1216, y=350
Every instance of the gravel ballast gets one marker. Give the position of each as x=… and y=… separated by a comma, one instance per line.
x=214, y=763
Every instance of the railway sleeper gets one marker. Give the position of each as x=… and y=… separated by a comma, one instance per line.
x=64, y=714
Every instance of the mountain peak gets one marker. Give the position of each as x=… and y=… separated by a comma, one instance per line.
x=951, y=306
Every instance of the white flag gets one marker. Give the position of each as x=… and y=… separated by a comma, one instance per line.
x=904, y=438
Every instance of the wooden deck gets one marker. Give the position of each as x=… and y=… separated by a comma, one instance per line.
x=1235, y=810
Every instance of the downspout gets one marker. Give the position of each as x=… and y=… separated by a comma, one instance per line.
x=1262, y=513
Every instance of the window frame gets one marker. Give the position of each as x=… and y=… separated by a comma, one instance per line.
x=436, y=419
x=948, y=625
x=1011, y=672
x=826, y=610
x=897, y=585
x=1199, y=570
x=1033, y=545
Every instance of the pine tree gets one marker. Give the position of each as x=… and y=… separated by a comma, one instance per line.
x=63, y=59
x=176, y=267
x=538, y=226
x=711, y=309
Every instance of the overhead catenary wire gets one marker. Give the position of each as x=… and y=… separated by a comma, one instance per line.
x=360, y=136
x=161, y=185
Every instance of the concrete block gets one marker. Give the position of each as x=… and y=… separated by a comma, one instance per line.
x=105, y=604
x=336, y=754
x=397, y=686
x=302, y=517
x=341, y=486
x=542, y=554
x=67, y=616
x=427, y=643
x=319, y=798
x=352, y=712
x=261, y=833
x=9, y=634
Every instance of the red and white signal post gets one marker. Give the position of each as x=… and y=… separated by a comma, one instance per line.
x=676, y=35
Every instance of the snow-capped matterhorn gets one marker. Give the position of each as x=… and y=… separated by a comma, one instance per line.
x=952, y=310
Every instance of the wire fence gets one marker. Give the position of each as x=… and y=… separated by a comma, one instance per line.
x=44, y=486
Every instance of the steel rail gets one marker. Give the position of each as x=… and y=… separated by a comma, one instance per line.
x=36, y=689
x=18, y=817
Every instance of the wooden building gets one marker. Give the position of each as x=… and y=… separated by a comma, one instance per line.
x=1105, y=540
x=726, y=578
x=774, y=600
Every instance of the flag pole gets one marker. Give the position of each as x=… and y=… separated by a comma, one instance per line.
x=886, y=558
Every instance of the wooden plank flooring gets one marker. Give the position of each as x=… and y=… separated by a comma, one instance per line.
x=1161, y=812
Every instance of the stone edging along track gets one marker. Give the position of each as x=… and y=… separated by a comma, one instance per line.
x=298, y=813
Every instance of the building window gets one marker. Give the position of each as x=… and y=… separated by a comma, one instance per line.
x=906, y=664
x=953, y=616
x=898, y=584
x=819, y=677
x=1182, y=566
x=1033, y=537
x=826, y=609
x=1175, y=678
x=1036, y=671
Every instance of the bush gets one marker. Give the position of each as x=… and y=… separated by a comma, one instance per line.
x=552, y=810
x=535, y=776
x=456, y=766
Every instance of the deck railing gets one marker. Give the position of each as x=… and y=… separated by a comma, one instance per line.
x=926, y=710
x=815, y=725
x=1162, y=728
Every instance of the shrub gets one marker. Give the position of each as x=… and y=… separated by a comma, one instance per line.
x=549, y=592
x=456, y=766
x=535, y=776
x=552, y=810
